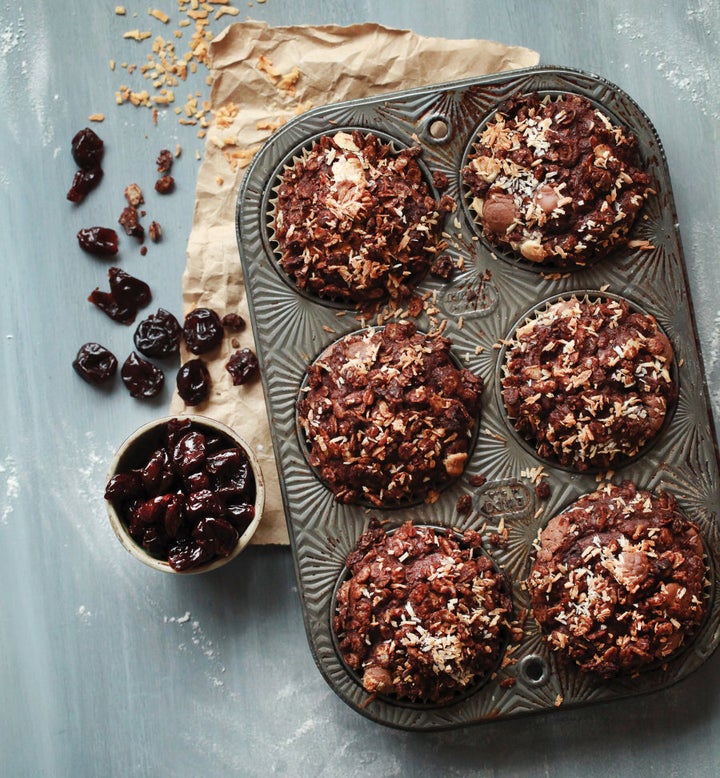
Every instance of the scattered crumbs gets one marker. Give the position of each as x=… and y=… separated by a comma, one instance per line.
x=159, y=15
x=120, y=10
x=96, y=117
x=137, y=35
x=83, y=614
x=643, y=245
x=558, y=701
x=226, y=10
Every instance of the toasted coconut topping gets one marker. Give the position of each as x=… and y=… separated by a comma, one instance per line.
x=555, y=181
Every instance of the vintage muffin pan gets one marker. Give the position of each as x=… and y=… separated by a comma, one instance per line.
x=481, y=307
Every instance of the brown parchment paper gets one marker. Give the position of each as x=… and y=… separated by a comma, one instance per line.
x=263, y=76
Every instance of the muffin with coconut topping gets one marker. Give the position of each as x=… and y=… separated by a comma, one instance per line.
x=555, y=181
x=422, y=615
x=617, y=582
x=388, y=416
x=355, y=220
x=588, y=382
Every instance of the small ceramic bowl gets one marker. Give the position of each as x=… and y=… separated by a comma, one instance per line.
x=134, y=454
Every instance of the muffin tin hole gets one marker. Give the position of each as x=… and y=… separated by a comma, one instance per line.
x=437, y=129
x=533, y=670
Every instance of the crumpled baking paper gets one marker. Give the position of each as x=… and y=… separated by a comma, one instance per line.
x=262, y=77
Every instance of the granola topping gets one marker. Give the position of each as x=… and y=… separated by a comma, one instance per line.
x=555, y=181
x=617, y=582
x=588, y=382
x=388, y=417
x=423, y=615
x=356, y=221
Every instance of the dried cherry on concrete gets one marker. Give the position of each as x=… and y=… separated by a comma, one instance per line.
x=158, y=335
x=189, y=500
x=83, y=183
x=126, y=296
x=94, y=363
x=142, y=378
x=100, y=241
x=242, y=366
x=193, y=382
x=87, y=149
x=127, y=289
x=110, y=306
x=203, y=330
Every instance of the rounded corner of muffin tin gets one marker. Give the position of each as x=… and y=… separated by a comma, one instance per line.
x=535, y=682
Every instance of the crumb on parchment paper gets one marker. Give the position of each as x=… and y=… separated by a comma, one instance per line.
x=177, y=53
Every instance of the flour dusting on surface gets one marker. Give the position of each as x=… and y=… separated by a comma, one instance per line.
x=10, y=488
x=198, y=640
x=679, y=60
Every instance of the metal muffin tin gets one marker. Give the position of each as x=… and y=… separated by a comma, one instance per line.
x=481, y=305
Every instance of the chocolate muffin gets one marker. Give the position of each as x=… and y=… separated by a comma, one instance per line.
x=588, y=382
x=355, y=220
x=617, y=582
x=555, y=181
x=388, y=416
x=422, y=615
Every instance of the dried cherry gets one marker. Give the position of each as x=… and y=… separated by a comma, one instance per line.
x=190, y=500
x=127, y=289
x=193, y=382
x=83, y=183
x=87, y=149
x=158, y=335
x=203, y=330
x=110, y=306
x=242, y=366
x=186, y=554
x=126, y=296
x=100, y=241
x=142, y=378
x=94, y=363
x=216, y=535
